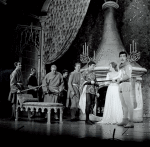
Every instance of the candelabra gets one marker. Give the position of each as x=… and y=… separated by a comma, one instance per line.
x=84, y=57
x=134, y=55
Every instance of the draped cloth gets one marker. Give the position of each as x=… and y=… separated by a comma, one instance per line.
x=60, y=27
x=82, y=102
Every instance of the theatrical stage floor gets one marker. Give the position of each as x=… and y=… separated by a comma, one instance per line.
x=38, y=130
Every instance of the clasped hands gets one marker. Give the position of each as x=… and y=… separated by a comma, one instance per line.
x=115, y=80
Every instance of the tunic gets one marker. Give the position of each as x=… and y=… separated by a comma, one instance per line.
x=32, y=80
x=89, y=76
x=73, y=85
x=64, y=92
x=53, y=85
x=16, y=81
x=125, y=69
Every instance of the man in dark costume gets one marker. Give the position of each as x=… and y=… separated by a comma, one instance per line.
x=64, y=92
x=88, y=79
x=16, y=85
x=32, y=83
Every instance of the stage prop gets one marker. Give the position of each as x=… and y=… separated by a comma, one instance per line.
x=108, y=51
x=26, y=102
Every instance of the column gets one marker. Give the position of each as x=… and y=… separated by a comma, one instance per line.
x=48, y=115
x=61, y=115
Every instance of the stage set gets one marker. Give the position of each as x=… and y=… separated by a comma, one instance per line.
x=108, y=51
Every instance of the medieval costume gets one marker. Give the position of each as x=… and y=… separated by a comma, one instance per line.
x=16, y=83
x=125, y=89
x=53, y=86
x=113, y=112
x=88, y=92
x=64, y=92
x=32, y=81
x=73, y=85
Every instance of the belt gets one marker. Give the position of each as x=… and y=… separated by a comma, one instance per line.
x=77, y=85
x=124, y=81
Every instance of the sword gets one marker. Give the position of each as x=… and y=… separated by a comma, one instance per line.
x=33, y=88
x=89, y=82
x=104, y=81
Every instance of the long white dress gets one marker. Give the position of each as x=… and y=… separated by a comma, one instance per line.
x=113, y=112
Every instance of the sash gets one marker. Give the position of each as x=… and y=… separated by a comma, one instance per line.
x=82, y=101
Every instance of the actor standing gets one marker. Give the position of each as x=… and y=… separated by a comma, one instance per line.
x=54, y=84
x=73, y=91
x=65, y=74
x=125, y=88
x=32, y=83
x=90, y=91
x=16, y=85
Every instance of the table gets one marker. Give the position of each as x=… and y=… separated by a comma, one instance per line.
x=41, y=105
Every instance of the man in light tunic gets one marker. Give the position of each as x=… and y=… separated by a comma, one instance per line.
x=124, y=82
x=73, y=91
x=53, y=85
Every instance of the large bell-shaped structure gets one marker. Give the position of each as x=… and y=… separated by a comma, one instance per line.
x=108, y=51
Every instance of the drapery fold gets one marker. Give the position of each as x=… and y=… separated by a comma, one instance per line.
x=64, y=18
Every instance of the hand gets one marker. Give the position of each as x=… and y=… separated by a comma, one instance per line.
x=57, y=91
x=101, y=84
x=97, y=94
x=72, y=92
x=18, y=91
x=92, y=82
x=118, y=81
x=114, y=81
x=45, y=92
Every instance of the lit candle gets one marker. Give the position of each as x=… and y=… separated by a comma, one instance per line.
x=94, y=55
x=87, y=51
x=83, y=49
x=130, y=48
x=133, y=46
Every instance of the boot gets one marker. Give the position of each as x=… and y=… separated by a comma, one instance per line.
x=73, y=112
x=124, y=122
x=129, y=125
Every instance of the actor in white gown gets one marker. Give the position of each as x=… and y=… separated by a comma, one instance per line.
x=113, y=112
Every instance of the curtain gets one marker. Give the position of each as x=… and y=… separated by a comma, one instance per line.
x=64, y=18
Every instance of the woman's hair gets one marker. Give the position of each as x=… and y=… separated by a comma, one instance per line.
x=114, y=65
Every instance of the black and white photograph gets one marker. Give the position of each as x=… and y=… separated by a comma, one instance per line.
x=75, y=72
